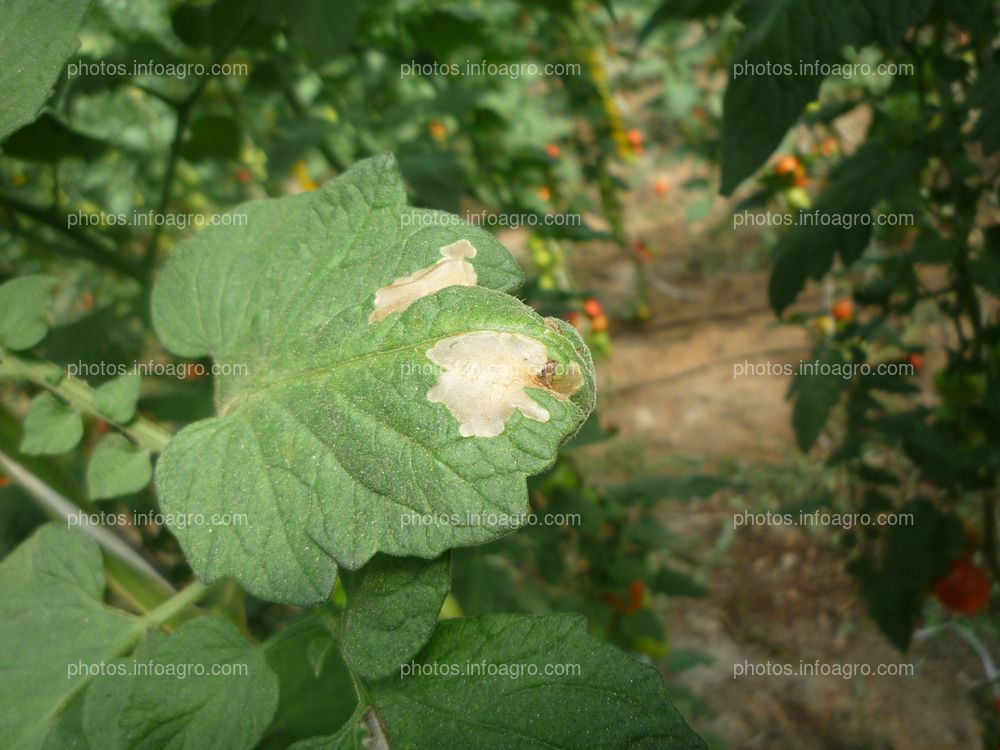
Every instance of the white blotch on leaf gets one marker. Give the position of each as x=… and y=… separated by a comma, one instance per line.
x=483, y=377
x=376, y=739
x=451, y=270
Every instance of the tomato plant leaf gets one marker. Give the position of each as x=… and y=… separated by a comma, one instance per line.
x=117, y=468
x=54, y=627
x=895, y=581
x=765, y=97
x=678, y=10
x=542, y=682
x=35, y=40
x=48, y=139
x=50, y=427
x=392, y=606
x=117, y=398
x=204, y=686
x=24, y=310
x=317, y=693
x=383, y=393
x=816, y=393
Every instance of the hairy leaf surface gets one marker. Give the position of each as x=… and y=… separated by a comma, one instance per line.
x=35, y=40
x=54, y=627
x=502, y=681
x=392, y=606
x=387, y=404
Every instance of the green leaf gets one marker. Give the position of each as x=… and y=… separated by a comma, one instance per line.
x=835, y=225
x=392, y=605
x=203, y=687
x=24, y=311
x=912, y=556
x=363, y=414
x=322, y=28
x=50, y=140
x=542, y=683
x=816, y=394
x=214, y=137
x=759, y=108
x=55, y=627
x=317, y=694
x=117, y=398
x=35, y=40
x=117, y=468
x=682, y=10
x=50, y=427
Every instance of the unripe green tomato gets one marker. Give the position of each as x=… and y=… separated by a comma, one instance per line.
x=542, y=258
x=798, y=198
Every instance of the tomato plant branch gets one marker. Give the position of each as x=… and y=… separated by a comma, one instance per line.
x=989, y=666
x=183, y=110
x=80, y=396
x=300, y=111
x=88, y=246
x=62, y=508
x=176, y=604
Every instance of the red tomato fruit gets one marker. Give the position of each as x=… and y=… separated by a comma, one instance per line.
x=843, y=309
x=966, y=588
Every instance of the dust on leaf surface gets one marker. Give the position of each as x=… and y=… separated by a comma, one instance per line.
x=326, y=443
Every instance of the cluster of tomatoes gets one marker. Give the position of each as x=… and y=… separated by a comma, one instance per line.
x=595, y=314
x=629, y=602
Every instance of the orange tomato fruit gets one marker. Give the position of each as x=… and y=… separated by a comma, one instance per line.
x=592, y=307
x=843, y=309
x=787, y=165
x=437, y=129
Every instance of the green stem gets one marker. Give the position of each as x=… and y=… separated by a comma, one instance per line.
x=301, y=112
x=80, y=396
x=155, y=618
x=184, y=109
x=86, y=245
x=173, y=606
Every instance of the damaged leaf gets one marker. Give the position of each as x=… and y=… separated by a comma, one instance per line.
x=373, y=403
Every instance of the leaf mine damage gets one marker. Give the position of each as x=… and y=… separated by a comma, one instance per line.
x=451, y=270
x=484, y=374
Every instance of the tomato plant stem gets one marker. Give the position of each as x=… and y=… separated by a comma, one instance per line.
x=80, y=396
x=173, y=606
